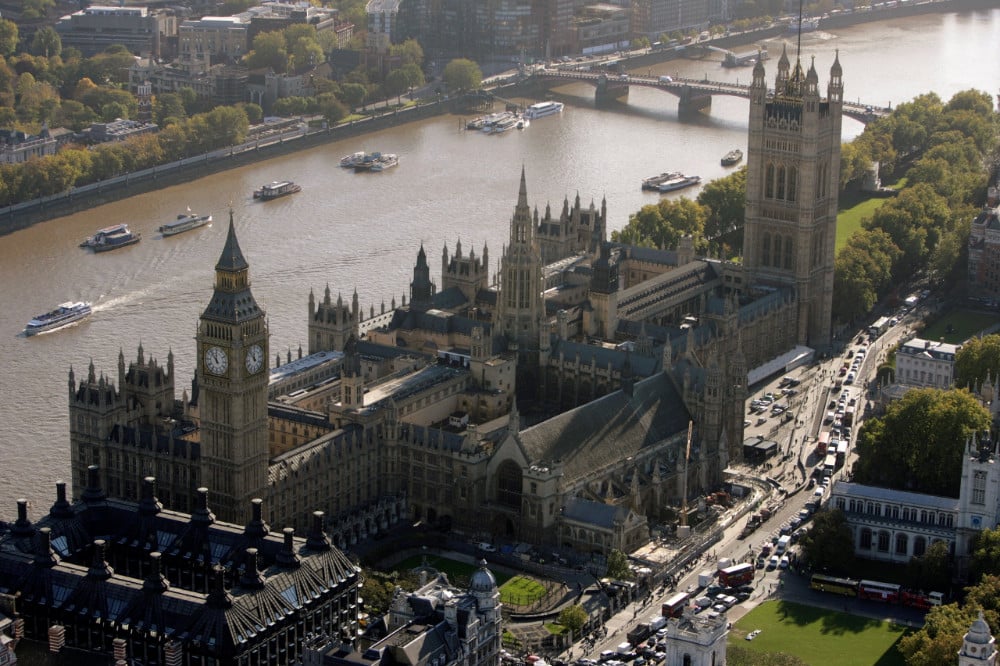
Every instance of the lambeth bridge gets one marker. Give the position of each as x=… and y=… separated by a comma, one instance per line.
x=693, y=94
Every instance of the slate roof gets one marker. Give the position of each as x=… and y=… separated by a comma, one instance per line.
x=609, y=429
x=642, y=366
x=590, y=512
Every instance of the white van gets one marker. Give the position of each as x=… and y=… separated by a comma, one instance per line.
x=666, y=79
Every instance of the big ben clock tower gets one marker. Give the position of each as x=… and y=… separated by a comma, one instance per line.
x=233, y=375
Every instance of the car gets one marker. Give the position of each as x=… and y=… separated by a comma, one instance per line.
x=893, y=321
x=486, y=547
x=607, y=654
x=719, y=608
x=762, y=420
x=753, y=634
x=746, y=423
x=783, y=562
x=773, y=563
x=812, y=482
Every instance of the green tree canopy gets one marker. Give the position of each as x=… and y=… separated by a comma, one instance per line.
x=573, y=618
x=940, y=639
x=862, y=273
x=829, y=544
x=410, y=52
x=8, y=37
x=918, y=445
x=269, y=51
x=977, y=358
x=618, y=566
x=663, y=224
x=462, y=74
x=725, y=200
x=46, y=42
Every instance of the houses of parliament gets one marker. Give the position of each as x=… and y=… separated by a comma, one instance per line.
x=548, y=403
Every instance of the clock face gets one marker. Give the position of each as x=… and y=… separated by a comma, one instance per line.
x=255, y=359
x=216, y=360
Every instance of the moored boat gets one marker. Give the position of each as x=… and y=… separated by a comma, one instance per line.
x=63, y=315
x=542, y=109
x=678, y=183
x=505, y=124
x=732, y=157
x=184, y=222
x=653, y=182
x=278, y=188
x=112, y=238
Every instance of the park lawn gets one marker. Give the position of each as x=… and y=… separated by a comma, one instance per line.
x=521, y=590
x=964, y=323
x=856, y=208
x=820, y=637
x=451, y=567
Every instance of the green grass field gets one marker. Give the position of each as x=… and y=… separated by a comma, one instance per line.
x=820, y=637
x=855, y=208
x=451, y=567
x=964, y=324
x=521, y=591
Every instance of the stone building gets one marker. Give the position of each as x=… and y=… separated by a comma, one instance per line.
x=926, y=363
x=984, y=255
x=435, y=625
x=133, y=581
x=979, y=648
x=143, y=31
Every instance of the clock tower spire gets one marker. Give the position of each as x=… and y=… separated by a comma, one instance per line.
x=233, y=374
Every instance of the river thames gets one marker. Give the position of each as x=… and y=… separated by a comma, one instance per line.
x=363, y=231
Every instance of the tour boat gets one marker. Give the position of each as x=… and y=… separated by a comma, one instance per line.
x=63, y=315
x=678, y=183
x=184, y=222
x=542, y=109
x=276, y=189
x=112, y=238
x=732, y=157
x=350, y=161
x=653, y=182
x=384, y=162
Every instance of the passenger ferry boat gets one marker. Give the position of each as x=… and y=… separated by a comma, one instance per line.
x=278, y=188
x=543, y=109
x=732, y=157
x=63, y=315
x=112, y=238
x=653, y=182
x=184, y=222
x=384, y=162
x=678, y=183
x=352, y=160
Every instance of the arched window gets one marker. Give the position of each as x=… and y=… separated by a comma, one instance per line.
x=777, y=251
x=788, y=252
x=769, y=181
x=919, y=546
x=779, y=185
x=509, y=484
x=793, y=183
x=902, y=541
x=765, y=256
x=866, y=538
x=883, y=541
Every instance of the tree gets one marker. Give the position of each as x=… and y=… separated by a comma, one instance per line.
x=663, y=224
x=618, y=567
x=985, y=595
x=930, y=571
x=985, y=559
x=573, y=618
x=725, y=199
x=396, y=83
x=918, y=445
x=977, y=358
x=168, y=108
x=410, y=52
x=353, y=94
x=269, y=51
x=8, y=37
x=74, y=115
x=36, y=9
x=940, y=639
x=46, y=42
x=254, y=113
x=462, y=74
x=829, y=545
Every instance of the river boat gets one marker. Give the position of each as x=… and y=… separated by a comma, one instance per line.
x=350, y=161
x=808, y=25
x=62, y=315
x=678, y=183
x=732, y=157
x=505, y=124
x=279, y=188
x=384, y=162
x=112, y=238
x=542, y=109
x=185, y=222
x=494, y=120
x=653, y=182
x=368, y=161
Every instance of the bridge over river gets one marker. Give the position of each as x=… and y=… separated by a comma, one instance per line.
x=694, y=94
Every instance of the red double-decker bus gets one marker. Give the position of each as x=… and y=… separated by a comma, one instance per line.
x=736, y=575
x=877, y=591
x=674, y=606
x=921, y=600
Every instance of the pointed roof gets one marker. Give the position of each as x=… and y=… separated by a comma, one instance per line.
x=232, y=258
x=522, y=193
x=836, y=70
